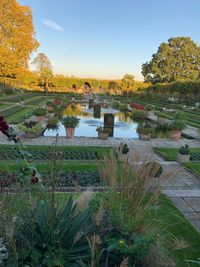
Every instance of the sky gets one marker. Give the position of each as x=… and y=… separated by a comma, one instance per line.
x=109, y=38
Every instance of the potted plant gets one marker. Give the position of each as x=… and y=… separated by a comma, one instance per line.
x=150, y=110
x=184, y=154
x=70, y=123
x=57, y=101
x=177, y=125
x=52, y=123
x=32, y=129
x=40, y=114
x=138, y=115
x=102, y=133
x=50, y=106
x=123, y=149
x=145, y=132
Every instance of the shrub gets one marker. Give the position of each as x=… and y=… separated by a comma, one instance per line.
x=53, y=123
x=149, y=107
x=176, y=125
x=127, y=205
x=125, y=149
x=39, y=111
x=37, y=128
x=53, y=235
x=184, y=150
x=50, y=103
x=145, y=128
x=70, y=121
x=195, y=156
x=139, y=115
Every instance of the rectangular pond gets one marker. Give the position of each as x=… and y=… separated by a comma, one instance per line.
x=124, y=126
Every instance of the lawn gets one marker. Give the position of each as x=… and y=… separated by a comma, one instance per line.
x=193, y=166
x=171, y=154
x=177, y=228
x=19, y=116
x=2, y=106
x=44, y=166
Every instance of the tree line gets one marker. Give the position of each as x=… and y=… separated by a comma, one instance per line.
x=176, y=62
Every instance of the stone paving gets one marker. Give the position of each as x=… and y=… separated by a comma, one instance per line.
x=183, y=188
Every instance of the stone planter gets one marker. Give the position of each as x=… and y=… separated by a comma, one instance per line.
x=176, y=135
x=183, y=158
x=70, y=132
x=150, y=114
x=103, y=135
x=144, y=137
x=33, y=135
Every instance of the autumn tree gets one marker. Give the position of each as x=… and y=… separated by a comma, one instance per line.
x=176, y=60
x=17, y=38
x=127, y=83
x=44, y=68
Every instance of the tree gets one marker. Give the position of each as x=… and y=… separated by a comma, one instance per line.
x=177, y=60
x=128, y=82
x=44, y=68
x=17, y=38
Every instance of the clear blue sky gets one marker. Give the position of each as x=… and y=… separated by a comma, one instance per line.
x=108, y=38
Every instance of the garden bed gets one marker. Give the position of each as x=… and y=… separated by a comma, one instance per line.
x=170, y=154
x=194, y=167
x=42, y=153
x=19, y=116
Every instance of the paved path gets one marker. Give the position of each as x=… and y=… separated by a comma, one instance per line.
x=183, y=188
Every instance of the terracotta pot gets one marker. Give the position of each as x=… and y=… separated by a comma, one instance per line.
x=50, y=109
x=183, y=158
x=176, y=135
x=102, y=135
x=69, y=132
x=40, y=118
x=145, y=137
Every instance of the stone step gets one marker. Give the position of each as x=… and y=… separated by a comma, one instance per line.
x=182, y=193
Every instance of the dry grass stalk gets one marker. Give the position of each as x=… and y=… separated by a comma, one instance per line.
x=131, y=184
x=98, y=216
x=158, y=257
x=124, y=263
x=180, y=243
x=83, y=200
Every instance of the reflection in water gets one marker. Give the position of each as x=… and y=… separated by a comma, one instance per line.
x=124, y=126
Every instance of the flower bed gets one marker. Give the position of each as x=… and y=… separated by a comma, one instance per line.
x=21, y=97
x=82, y=178
x=137, y=106
x=10, y=111
x=75, y=178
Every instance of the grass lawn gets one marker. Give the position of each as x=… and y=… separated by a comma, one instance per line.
x=2, y=106
x=171, y=154
x=177, y=228
x=193, y=166
x=19, y=116
x=44, y=166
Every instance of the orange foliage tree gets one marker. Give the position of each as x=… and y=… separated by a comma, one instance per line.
x=17, y=38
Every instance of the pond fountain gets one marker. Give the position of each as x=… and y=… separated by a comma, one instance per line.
x=90, y=119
